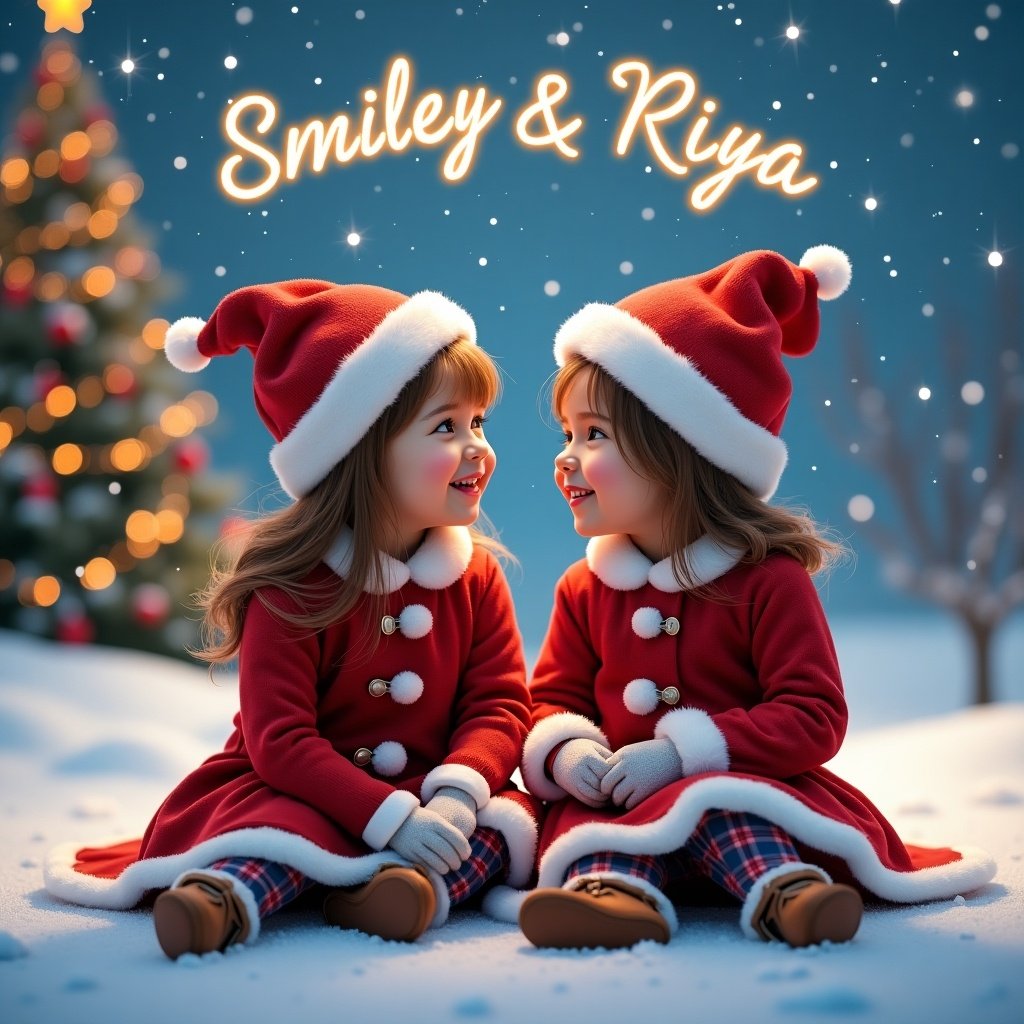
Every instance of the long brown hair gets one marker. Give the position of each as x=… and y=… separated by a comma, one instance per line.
x=281, y=548
x=699, y=498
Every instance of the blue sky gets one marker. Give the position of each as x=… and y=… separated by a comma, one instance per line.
x=916, y=105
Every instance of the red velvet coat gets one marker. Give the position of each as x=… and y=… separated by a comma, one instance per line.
x=322, y=767
x=759, y=709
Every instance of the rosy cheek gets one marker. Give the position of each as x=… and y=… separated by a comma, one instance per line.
x=436, y=467
x=605, y=473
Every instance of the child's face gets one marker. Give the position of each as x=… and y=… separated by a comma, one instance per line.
x=606, y=496
x=439, y=466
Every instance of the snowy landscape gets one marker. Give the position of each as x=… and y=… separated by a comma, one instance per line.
x=91, y=739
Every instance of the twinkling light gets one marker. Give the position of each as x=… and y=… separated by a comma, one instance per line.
x=127, y=65
x=924, y=394
x=995, y=258
x=860, y=508
x=871, y=203
x=45, y=591
x=98, y=574
x=231, y=63
x=973, y=393
x=353, y=238
x=793, y=32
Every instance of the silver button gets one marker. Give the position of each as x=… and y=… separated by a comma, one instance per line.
x=388, y=625
x=670, y=695
x=362, y=756
x=378, y=687
x=670, y=625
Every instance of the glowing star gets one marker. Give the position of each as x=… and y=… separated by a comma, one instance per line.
x=64, y=14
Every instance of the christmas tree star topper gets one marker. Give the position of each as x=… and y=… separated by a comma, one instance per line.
x=64, y=14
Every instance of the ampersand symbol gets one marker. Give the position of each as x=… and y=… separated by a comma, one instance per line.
x=551, y=89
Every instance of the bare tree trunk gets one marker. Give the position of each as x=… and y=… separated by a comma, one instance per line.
x=981, y=634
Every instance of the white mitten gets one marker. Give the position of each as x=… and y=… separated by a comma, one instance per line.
x=579, y=768
x=425, y=838
x=640, y=769
x=456, y=806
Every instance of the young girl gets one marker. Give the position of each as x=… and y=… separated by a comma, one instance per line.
x=687, y=693
x=382, y=686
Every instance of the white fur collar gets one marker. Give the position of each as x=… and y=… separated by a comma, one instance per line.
x=618, y=563
x=437, y=563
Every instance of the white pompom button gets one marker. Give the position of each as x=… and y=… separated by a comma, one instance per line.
x=413, y=622
x=641, y=696
x=648, y=623
x=388, y=758
x=405, y=688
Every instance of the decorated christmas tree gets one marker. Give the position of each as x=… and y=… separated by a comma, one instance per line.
x=106, y=516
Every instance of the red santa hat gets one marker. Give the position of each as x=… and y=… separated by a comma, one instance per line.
x=704, y=353
x=329, y=359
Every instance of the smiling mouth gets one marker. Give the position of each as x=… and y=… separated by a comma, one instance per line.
x=576, y=494
x=468, y=485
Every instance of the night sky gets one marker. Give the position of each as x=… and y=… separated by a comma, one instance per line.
x=910, y=115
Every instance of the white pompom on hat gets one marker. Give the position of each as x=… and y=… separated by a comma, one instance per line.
x=328, y=360
x=704, y=353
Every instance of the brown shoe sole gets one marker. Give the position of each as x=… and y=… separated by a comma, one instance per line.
x=178, y=925
x=562, y=919
x=834, y=917
x=396, y=904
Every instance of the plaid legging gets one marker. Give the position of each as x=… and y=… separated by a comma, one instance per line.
x=274, y=885
x=732, y=849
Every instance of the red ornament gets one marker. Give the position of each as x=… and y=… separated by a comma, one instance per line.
x=191, y=456
x=43, y=487
x=66, y=323
x=151, y=604
x=46, y=380
x=31, y=130
x=75, y=629
x=15, y=297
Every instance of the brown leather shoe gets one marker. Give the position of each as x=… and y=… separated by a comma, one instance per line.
x=598, y=912
x=802, y=909
x=397, y=903
x=201, y=914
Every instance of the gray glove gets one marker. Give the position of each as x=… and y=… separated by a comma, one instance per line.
x=456, y=806
x=579, y=768
x=425, y=838
x=640, y=769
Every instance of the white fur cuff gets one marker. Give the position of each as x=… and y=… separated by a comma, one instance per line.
x=543, y=738
x=459, y=776
x=388, y=818
x=700, y=743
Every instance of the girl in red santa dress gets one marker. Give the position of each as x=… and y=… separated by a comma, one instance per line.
x=383, y=699
x=688, y=693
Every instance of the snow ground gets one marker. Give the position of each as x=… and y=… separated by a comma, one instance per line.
x=92, y=739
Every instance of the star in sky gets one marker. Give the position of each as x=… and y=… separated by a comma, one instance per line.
x=64, y=14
